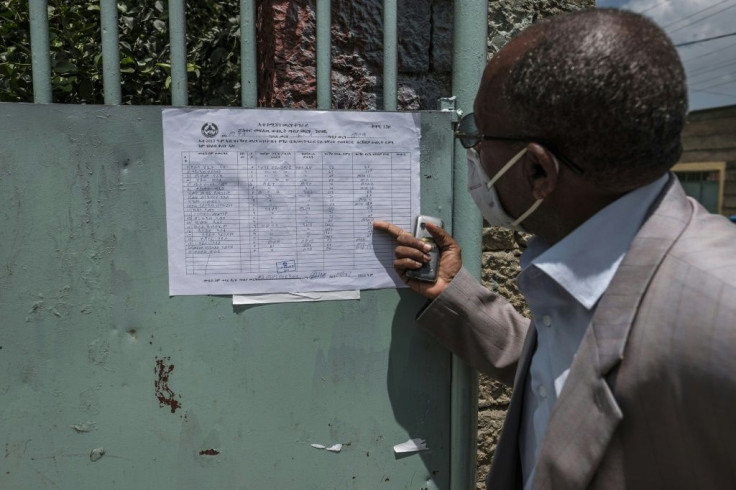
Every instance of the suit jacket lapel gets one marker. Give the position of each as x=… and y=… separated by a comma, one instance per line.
x=586, y=413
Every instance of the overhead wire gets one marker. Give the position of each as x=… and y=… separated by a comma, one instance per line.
x=704, y=83
x=697, y=41
x=697, y=73
x=690, y=20
x=702, y=19
x=642, y=12
x=709, y=53
x=727, y=82
x=693, y=14
x=715, y=93
x=717, y=78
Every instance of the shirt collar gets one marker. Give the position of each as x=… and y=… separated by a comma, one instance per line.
x=585, y=261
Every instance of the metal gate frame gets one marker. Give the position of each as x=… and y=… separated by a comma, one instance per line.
x=469, y=58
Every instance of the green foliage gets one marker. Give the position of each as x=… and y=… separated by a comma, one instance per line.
x=213, y=47
x=15, y=52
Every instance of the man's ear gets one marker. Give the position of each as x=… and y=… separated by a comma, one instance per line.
x=540, y=170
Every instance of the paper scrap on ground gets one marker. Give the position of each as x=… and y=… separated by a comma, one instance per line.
x=84, y=427
x=336, y=448
x=411, y=446
x=278, y=201
x=259, y=299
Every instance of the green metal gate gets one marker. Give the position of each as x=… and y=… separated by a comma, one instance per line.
x=107, y=382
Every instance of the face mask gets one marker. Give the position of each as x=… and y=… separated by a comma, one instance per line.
x=484, y=194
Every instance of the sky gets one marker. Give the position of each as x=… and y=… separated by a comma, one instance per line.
x=710, y=64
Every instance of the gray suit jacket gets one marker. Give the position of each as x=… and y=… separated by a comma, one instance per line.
x=650, y=400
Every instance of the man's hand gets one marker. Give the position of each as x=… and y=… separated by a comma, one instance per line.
x=411, y=254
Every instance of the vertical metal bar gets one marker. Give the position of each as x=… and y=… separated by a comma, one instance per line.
x=178, y=42
x=248, y=82
x=324, y=55
x=40, y=56
x=390, y=42
x=470, y=30
x=110, y=51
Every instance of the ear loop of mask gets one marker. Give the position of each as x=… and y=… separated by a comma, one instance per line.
x=505, y=168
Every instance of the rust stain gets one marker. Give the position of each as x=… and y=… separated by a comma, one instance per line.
x=209, y=452
x=164, y=394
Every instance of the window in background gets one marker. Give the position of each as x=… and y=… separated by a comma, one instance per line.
x=703, y=181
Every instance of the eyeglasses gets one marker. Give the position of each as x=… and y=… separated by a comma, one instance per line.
x=469, y=135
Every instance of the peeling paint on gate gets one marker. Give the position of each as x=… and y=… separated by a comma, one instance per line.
x=164, y=394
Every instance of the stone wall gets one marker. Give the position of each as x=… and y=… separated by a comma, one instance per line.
x=500, y=266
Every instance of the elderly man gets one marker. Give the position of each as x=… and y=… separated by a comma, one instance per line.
x=626, y=375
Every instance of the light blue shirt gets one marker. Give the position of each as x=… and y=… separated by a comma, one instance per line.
x=562, y=285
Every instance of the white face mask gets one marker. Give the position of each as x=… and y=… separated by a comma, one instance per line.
x=485, y=196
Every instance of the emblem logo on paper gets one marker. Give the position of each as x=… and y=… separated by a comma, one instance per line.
x=286, y=266
x=209, y=130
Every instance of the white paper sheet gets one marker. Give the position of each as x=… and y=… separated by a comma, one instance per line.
x=260, y=299
x=411, y=446
x=335, y=448
x=275, y=201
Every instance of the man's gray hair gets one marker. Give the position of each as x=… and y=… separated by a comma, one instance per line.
x=608, y=88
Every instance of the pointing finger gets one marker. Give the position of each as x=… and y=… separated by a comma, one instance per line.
x=391, y=228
